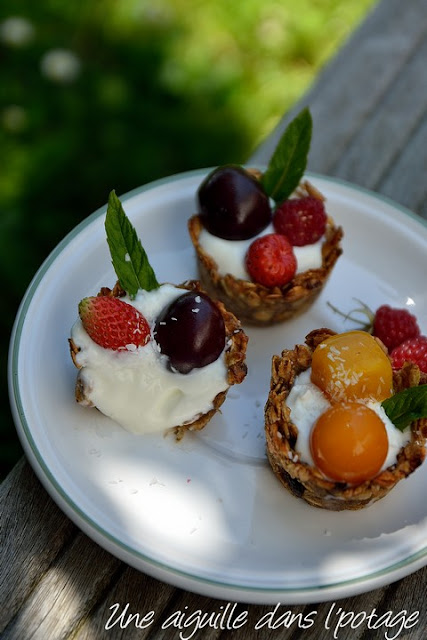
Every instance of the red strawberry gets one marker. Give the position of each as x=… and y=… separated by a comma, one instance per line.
x=271, y=261
x=301, y=220
x=394, y=326
x=112, y=323
x=412, y=350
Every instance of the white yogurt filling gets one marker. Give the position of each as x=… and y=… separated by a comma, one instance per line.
x=307, y=402
x=135, y=387
x=229, y=255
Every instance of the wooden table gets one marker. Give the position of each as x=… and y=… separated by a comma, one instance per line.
x=370, y=127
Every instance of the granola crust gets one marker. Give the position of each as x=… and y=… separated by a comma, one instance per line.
x=235, y=354
x=305, y=481
x=256, y=304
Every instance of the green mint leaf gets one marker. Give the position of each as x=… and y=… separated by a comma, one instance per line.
x=406, y=406
x=129, y=259
x=289, y=160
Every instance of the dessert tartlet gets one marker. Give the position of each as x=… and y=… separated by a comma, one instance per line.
x=265, y=244
x=153, y=357
x=318, y=445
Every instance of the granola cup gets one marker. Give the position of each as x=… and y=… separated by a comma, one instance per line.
x=259, y=305
x=235, y=354
x=305, y=481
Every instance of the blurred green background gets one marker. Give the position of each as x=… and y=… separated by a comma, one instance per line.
x=109, y=94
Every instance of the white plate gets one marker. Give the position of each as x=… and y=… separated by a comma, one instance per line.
x=207, y=514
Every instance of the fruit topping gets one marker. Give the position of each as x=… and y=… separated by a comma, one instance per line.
x=301, y=220
x=352, y=366
x=113, y=324
x=349, y=443
x=412, y=350
x=190, y=331
x=233, y=204
x=390, y=324
x=271, y=261
x=394, y=326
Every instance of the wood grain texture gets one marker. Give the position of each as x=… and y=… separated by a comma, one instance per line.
x=66, y=593
x=369, y=108
x=134, y=595
x=32, y=533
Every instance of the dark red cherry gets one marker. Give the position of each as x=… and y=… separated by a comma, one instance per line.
x=233, y=204
x=190, y=331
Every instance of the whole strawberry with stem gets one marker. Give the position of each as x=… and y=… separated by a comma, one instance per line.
x=391, y=325
x=412, y=350
x=113, y=324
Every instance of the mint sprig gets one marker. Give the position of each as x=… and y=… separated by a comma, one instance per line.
x=128, y=256
x=289, y=160
x=406, y=406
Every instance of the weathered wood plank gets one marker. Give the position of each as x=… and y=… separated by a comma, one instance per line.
x=396, y=120
x=406, y=181
x=33, y=531
x=66, y=593
x=357, y=84
x=122, y=611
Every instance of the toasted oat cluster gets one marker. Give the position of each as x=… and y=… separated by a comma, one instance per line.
x=306, y=481
x=255, y=303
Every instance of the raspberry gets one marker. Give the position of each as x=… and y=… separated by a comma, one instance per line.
x=112, y=323
x=394, y=326
x=271, y=261
x=412, y=350
x=301, y=220
x=391, y=325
